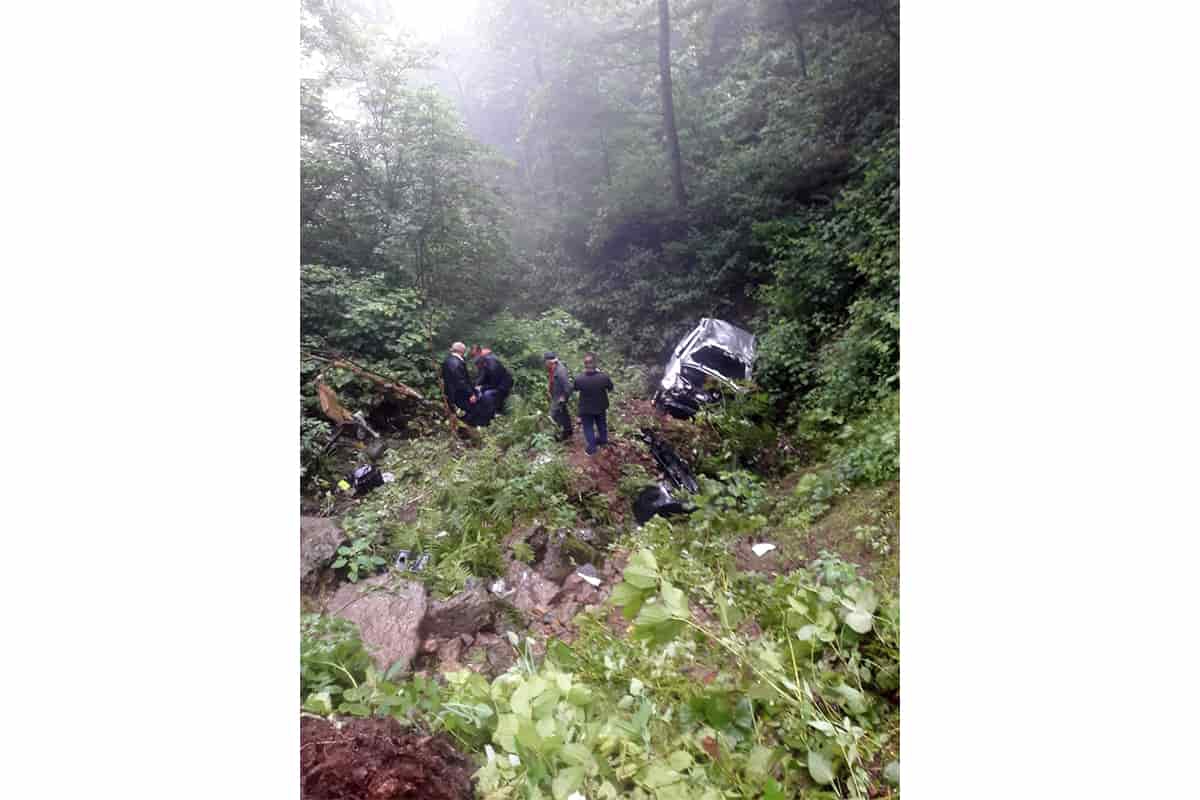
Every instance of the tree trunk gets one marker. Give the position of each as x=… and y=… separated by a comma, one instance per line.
x=668, y=102
x=796, y=32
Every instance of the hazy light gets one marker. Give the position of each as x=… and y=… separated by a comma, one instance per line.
x=431, y=19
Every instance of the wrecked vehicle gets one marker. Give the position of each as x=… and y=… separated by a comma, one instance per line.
x=714, y=349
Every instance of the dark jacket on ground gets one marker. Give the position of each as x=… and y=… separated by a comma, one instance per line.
x=456, y=380
x=493, y=375
x=593, y=388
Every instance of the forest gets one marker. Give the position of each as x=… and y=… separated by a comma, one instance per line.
x=598, y=176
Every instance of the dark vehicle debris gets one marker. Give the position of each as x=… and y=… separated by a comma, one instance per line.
x=674, y=467
x=656, y=500
x=714, y=349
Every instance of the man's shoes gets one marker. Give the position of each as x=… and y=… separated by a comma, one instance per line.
x=590, y=452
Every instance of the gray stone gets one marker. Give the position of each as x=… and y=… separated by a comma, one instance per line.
x=319, y=540
x=388, y=619
x=469, y=611
x=530, y=590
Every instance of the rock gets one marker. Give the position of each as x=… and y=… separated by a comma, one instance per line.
x=469, y=611
x=530, y=589
x=389, y=620
x=575, y=589
x=320, y=538
x=448, y=655
x=489, y=654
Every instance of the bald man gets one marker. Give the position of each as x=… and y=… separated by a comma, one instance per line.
x=455, y=380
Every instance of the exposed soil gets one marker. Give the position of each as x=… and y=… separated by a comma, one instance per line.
x=378, y=759
x=775, y=562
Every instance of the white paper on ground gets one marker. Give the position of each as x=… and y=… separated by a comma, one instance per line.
x=589, y=579
x=762, y=549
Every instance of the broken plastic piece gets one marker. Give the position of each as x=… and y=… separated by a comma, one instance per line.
x=589, y=579
x=762, y=548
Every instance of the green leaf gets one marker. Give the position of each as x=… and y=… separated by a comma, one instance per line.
x=820, y=767
x=759, y=763
x=680, y=760
x=641, y=578
x=566, y=781
x=319, y=703
x=859, y=621
x=341, y=562
x=625, y=593
x=659, y=774
x=891, y=773
x=578, y=755
x=773, y=791
x=675, y=601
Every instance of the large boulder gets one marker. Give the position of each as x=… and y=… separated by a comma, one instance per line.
x=320, y=538
x=388, y=618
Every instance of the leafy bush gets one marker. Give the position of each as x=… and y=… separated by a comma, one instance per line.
x=332, y=657
x=867, y=451
x=833, y=324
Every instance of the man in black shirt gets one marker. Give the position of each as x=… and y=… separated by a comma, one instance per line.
x=455, y=380
x=593, y=387
x=494, y=382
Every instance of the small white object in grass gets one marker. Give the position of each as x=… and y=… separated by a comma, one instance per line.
x=576, y=796
x=388, y=477
x=514, y=760
x=589, y=579
x=442, y=534
x=491, y=754
x=762, y=549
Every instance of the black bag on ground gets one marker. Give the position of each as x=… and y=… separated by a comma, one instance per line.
x=365, y=478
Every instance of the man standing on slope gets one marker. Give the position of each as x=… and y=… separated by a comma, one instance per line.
x=456, y=383
x=559, y=384
x=593, y=387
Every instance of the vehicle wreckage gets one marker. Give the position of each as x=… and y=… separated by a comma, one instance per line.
x=715, y=352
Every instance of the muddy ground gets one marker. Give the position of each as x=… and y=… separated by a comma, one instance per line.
x=378, y=759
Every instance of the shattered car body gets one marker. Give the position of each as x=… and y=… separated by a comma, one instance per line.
x=714, y=349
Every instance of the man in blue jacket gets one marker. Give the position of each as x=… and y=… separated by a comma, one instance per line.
x=593, y=387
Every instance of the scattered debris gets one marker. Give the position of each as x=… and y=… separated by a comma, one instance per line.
x=762, y=549
x=656, y=500
x=388, y=477
x=674, y=467
x=365, y=478
x=714, y=349
x=590, y=579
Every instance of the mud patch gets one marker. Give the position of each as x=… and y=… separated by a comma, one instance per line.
x=377, y=759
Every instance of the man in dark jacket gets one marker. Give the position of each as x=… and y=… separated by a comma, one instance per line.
x=593, y=387
x=494, y=381
x=559, y=387
x=456, y=383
